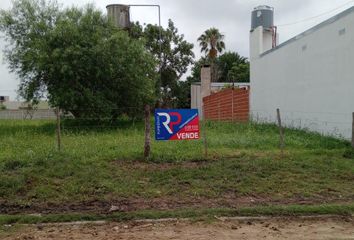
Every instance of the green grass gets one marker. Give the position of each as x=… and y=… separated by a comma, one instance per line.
x=105, y=164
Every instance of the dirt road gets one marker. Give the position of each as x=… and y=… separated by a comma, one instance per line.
x=331, y=228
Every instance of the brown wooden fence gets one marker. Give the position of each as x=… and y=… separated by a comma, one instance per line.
x=227, y=105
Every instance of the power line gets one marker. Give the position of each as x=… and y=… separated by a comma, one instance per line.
x=317, y=16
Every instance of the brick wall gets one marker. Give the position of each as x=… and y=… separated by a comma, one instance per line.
x=227, y=105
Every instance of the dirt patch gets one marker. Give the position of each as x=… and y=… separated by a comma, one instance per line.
x=272, y=229
x=159, y=204
x=130, y=205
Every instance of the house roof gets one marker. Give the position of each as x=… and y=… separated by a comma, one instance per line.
x=312, y=30
x=217, y=84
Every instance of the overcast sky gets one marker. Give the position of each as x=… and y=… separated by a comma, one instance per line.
x=192, y=17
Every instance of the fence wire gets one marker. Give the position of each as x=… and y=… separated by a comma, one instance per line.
x=124, y=137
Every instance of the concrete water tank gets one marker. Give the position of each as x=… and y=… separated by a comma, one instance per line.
x=119, y=14
x=262, y=16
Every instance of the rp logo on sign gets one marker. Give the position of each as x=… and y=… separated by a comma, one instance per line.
x=169, y=125
x=177, y=124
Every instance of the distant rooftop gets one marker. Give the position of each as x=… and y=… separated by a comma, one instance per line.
x=218, y=84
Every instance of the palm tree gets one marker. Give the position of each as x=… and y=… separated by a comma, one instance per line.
x=211, y=42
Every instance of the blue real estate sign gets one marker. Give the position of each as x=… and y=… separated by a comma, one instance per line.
x=176, y=124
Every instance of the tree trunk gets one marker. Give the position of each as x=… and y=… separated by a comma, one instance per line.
x=214, y=71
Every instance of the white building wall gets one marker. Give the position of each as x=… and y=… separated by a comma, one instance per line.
x=310, y=78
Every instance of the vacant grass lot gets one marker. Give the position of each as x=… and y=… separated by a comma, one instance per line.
x=102, y=165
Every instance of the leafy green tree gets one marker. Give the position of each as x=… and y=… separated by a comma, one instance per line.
x=196, y=70
x=26, y=26
x=77, y=59
x=226, y=62
x=173, y=53
x=212, y=42
x=185, y=87
x=240, y=72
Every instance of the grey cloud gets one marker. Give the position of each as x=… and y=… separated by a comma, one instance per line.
x=232, y=17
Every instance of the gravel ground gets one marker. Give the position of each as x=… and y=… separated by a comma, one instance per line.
x=221, y=229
